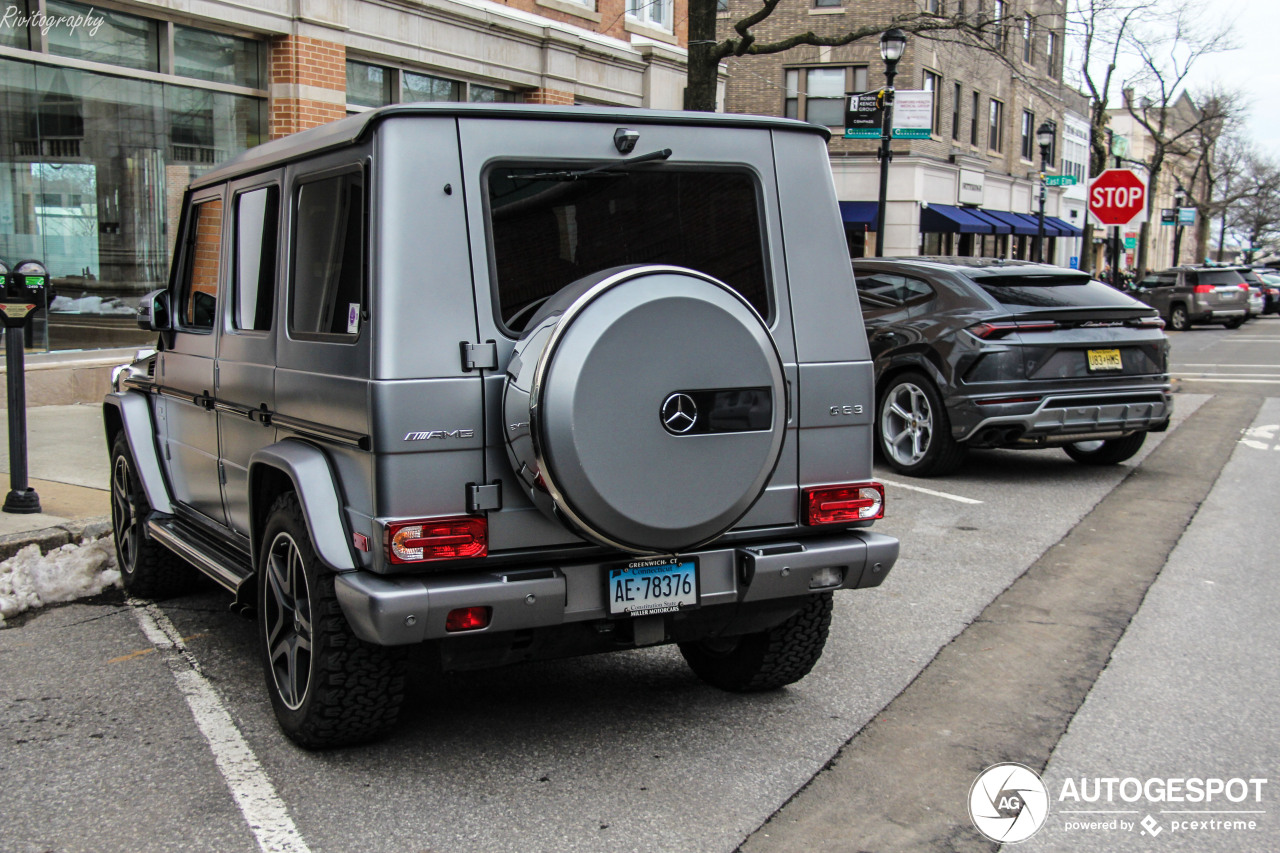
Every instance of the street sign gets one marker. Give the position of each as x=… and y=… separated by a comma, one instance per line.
x=1186, y=216
x=912, y=114
x=1131, y=241
x=862, y=118
x=1060, y=180
x=1168, y=216
x=1118, y=197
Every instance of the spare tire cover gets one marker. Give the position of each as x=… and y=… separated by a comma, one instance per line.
x=646, y=408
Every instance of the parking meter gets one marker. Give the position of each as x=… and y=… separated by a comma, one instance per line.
x=25, y=288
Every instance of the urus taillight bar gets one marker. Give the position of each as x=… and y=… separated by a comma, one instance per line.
x=843, y=504
x=992, y=331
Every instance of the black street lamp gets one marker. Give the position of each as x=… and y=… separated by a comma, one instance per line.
x=892, y=43
x=1044, y=138
x=1180, y=194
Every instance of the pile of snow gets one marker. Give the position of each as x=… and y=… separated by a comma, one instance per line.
x=30, y=579
x=93, y=305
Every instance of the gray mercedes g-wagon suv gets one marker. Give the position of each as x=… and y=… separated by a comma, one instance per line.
x=518, y=382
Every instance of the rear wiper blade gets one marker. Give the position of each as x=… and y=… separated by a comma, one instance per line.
x=608, y=170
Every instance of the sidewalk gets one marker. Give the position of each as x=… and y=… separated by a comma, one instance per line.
x=69, y=469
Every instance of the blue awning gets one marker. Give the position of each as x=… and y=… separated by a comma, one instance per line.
x=1067, y=229
x=1014, y=221
x=860, y=213
x=954, y=220
x=998, y=226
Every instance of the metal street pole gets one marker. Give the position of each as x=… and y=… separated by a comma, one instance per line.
x=892, y=43
x=1039, y=249
x=1045, y=134
x=1177, y=226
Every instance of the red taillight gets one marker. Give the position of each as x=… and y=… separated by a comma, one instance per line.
x=1203, y=288
x=991, y=331
x=437, y=539
x=842, y=504
x=468, y=619
x=1244, y=287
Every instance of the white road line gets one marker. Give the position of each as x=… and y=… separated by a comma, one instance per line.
x=1194, y=364
x=1240, y=375
x=261, y=806
x=956, y=498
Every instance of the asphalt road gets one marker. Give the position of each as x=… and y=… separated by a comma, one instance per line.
x=99, y=749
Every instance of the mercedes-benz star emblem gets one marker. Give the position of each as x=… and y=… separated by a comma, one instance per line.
x=679, y=413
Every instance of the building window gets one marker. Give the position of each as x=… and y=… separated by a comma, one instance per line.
x=955, y=112
x=1028, y=135
x=974, y=118
x=217, y=58
x=817, y=95
x=997, y=23
x=368, y=85
x=1028, y=37
x=124, y=40
x=932, y=83
x=423, y=87
x=1051, y=48
x=489, y=95
x=933, y=7
x=653, y=13
x=827, y=4
x=722, y=7
x=995, y=124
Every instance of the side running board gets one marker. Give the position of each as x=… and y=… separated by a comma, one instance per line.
x=228, y=566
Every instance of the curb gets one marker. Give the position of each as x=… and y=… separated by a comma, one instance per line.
x=51, y=538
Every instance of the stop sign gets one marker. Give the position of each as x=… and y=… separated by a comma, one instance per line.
x=1118, y=197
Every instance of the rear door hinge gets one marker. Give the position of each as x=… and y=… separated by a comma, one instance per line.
x=479, y=356
x=482, y=497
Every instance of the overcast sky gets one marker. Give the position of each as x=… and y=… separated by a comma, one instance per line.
x=1253, y=67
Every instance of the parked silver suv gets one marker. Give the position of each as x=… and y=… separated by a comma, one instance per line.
x=516, y=382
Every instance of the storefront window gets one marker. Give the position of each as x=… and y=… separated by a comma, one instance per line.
x=424, y=87
x=91, y=180
x=100, y=35
x=368, y=85
x=216, y=57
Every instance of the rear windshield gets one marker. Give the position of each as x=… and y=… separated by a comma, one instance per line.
x=1053, y=291
x=549, y=233
x=1218, y=277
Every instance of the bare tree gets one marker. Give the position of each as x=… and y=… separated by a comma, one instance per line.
x=1255, y=217
x=1100, y=29
x=979, y=29
x=1168, y=46
x=1217, y=153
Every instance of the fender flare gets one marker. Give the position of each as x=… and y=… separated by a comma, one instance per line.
x=134, y=411
x=317, y=489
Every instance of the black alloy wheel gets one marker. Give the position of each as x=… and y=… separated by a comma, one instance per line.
x=147, y=569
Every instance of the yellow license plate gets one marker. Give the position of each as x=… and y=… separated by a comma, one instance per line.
x=1105, y=359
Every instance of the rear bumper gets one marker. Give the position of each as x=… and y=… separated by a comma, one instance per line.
x=401, y=610
x=1069, y=415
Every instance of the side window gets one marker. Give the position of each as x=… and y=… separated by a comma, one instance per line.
x=886, y=290
x=1191, y=280
x=200, y=285
x=257, y=218
x=328, y=293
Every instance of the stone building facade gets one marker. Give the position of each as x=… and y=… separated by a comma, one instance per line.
x=980, y=154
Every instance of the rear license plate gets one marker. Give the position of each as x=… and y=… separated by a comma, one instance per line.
x=644, y=587
x=1105, y=359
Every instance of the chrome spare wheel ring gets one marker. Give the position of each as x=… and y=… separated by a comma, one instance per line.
x=906, y=424
x=287, y=617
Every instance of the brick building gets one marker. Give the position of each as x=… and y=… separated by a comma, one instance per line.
x=968, y=188
x=108, y=111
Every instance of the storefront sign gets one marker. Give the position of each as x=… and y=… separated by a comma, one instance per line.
x=971, y=185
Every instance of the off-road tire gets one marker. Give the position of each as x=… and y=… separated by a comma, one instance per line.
x=769, y=659
x=1112, y=452
x=147, y=568
x=1178, y=319
x=353, y=689
x=942, y=453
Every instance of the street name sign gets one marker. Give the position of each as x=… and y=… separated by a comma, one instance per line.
x=1060, y=180
x=1118, y=197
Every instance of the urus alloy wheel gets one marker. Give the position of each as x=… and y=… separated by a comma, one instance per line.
x=288, y=621
x=907, y=424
